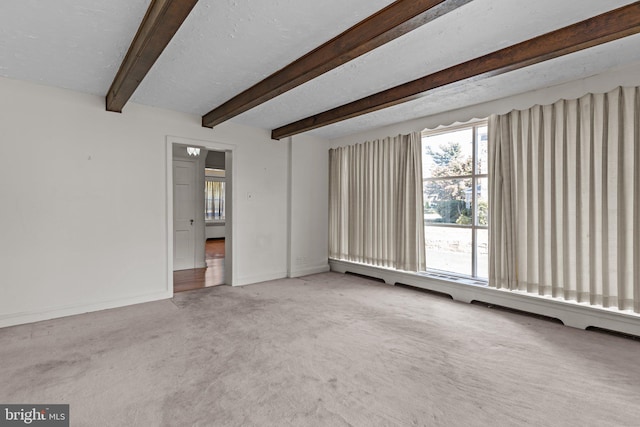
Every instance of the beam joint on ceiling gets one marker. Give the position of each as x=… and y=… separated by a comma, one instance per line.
x=397, y=19
x=159, y=25
x=609, y=26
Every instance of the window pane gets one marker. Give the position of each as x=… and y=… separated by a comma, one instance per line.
x=452, y=199
x=483, y=253
x=448, y=154
x=448, y=249
x=483, y=155
x=448, y=201
x=482, y=196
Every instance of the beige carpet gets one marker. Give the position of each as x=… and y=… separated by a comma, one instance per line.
x=325, y=350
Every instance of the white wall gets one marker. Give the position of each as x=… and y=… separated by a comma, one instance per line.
x=215, y=230
x=624, y=76
x=309, y=216
x=83, y=202
x=259, y=211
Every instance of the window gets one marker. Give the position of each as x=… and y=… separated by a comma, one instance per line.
x=214, y=195
x=454, y=162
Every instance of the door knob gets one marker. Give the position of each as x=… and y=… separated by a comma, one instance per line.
x=191, y=221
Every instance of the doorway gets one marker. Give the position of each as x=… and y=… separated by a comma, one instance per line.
x=197, y=259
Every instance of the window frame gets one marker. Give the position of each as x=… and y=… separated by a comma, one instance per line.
x=475, y=178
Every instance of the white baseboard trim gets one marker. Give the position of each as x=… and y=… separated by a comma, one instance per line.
x=250, y=280
x=570, y=313
x=307, y=270
x=24, y=317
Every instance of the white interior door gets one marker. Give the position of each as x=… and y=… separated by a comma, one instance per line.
x=184, y=215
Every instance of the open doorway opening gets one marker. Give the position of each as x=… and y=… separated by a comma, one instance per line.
x=199, y=207
x=191, y=275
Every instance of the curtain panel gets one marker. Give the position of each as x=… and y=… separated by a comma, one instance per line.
x=375, y=203
x=565, y=199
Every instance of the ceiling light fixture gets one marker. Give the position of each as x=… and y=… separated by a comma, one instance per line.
x=193, y=152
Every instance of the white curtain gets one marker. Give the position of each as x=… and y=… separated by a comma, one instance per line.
x=565, y=199
x=375, y=203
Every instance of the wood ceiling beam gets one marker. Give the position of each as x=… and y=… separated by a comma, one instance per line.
x=160, y=23
x=600, y=29
x=395, y=20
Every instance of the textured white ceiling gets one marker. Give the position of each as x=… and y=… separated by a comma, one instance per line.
x=72, y=44
x=225, y=46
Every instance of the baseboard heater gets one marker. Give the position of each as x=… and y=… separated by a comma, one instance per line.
x=572, y=314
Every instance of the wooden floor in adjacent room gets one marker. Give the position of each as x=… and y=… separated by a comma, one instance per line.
x=212, y=275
